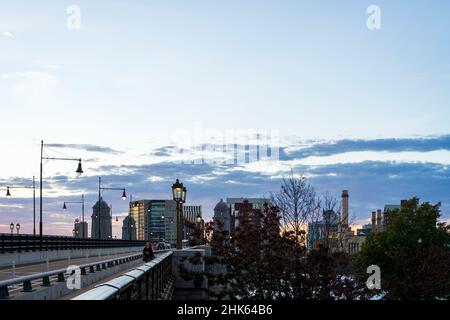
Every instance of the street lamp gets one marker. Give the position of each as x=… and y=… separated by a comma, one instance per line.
x=79, y=171
x=100, y=188
x=11, y=226
x=82, y=210
x=198, y=219
x=179, y=195
x=18, y=227
x=33, y=186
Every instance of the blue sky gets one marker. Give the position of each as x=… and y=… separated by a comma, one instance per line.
x=352, y=105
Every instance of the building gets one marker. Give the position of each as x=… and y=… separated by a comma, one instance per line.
x=80, y=229
x=222, y=215
x=365, y=230
x=387, y=213
x=139, y=212
x=162, y=221
x=105, y=221
x=353, y=244
x=236, y=206
x=323, y=232
x=129, y=228
x=190, y=215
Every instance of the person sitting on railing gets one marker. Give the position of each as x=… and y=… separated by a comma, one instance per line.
x=148, y=252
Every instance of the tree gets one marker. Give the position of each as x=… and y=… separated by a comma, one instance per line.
x=297, y=203
x=413, y=253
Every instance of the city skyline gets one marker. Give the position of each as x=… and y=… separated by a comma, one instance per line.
x=357, y=109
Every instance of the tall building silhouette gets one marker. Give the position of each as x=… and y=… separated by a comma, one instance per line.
x=105, y=221
x=129, y=228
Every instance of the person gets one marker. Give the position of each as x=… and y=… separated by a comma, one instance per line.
x=148, y=252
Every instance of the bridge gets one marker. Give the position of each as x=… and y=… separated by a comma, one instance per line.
x=35, y=268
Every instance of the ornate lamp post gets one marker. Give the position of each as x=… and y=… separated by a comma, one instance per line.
x=179, y=195
x=33, y=186
x=11, y=226
x=82, y=211
x=18, y=228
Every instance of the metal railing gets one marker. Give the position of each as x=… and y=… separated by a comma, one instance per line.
x=147, y=282
x=29, y=242
x=60, y=274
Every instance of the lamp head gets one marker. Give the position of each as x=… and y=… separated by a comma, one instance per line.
x=8, y=194
x=79, y=169
x=11, y=226
x=177, y=191
x=64, y=206
x=124, y=195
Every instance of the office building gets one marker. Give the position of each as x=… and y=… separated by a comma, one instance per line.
x=139, y=212
x=162, y=221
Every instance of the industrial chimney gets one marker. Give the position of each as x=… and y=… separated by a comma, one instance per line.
x=345, y=207
x=374, y=221
x=379, y=227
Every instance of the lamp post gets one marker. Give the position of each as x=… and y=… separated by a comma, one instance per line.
x=33, y=186
x=82, y=211
x=100, y=188
x=11, y=226
x=18, y=228
x=79, y=171
x=179, y=195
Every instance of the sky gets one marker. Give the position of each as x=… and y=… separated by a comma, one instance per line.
x=352, y=108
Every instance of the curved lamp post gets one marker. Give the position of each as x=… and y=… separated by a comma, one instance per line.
x=79, y=171
x=82, y=211
x=100, y=188
x=33, y=186
x=179, y=195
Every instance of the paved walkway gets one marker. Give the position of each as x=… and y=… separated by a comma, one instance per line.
x=24, y=270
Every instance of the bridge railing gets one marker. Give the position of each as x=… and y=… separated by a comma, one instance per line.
x=29, y=242
x=147, y=282
x=61, y=274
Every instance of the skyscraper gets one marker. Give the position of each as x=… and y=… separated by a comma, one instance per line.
x=81, y=229
x=105, y=221
x=162, y=221
x=139, y=211
x=129, y=228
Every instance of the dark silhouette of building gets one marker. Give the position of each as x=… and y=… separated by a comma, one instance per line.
x=129, y=228
x=105, y=221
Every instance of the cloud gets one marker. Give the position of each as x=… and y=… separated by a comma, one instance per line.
x=420, y=144
x=372, y=183
x=8, y=34
x=85, y=147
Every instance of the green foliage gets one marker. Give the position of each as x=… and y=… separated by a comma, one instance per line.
x=413, y=253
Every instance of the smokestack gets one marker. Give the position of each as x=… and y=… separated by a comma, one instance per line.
x=374, y=221
x=345, y=207
x=379, y=228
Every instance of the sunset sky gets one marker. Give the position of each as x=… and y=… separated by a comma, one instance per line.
x=357, y=109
